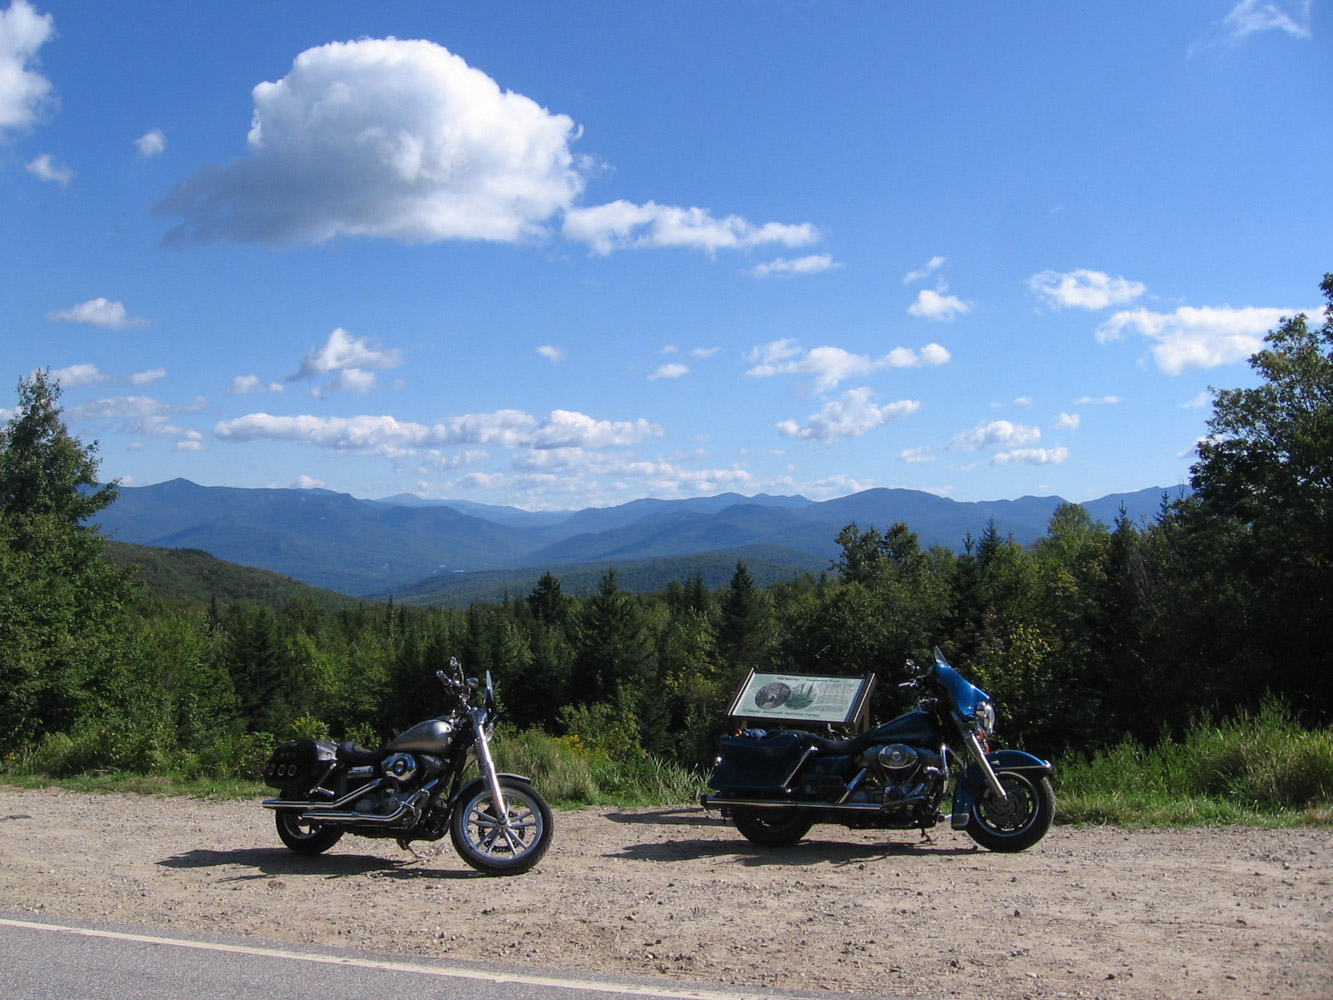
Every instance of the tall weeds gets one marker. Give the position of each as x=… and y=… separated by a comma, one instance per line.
x=1262, y=767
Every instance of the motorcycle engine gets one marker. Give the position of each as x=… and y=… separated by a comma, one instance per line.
x=904, y=772
x=399, y=768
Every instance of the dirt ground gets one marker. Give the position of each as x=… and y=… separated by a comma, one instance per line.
x=677, y=894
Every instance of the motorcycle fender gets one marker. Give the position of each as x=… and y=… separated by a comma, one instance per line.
x=477, y=784
x=964, y=793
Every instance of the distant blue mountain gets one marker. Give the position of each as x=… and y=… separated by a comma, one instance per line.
x=354, y=546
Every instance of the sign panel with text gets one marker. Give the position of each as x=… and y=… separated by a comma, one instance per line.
x=802, y=698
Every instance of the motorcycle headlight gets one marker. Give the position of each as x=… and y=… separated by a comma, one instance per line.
x=986, y=717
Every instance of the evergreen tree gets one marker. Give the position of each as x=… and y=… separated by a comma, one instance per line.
x=1264, y=479
x=746, y=633
x=62, y=606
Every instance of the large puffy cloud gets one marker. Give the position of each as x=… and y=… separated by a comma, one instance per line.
x=23, y=91
x=831, y=365
x=1084, y=289
x=502, y=428
x=1196, y=337
x=388, y=138
x=622, y=224
x=851, y=416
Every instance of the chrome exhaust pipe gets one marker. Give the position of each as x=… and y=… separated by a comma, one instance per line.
x=307, y=804
x=376, y=819
x=718, y=802
x=342, y=818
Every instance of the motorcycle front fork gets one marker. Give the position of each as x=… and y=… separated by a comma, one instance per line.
x=992, y=779
x=487, y=762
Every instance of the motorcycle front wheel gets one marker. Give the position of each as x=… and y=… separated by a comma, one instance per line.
x=778, y=827
x=502, y=848
x=305, y=838
x=1020, y=822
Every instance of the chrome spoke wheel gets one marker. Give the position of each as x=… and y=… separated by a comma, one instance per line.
x=502, y=846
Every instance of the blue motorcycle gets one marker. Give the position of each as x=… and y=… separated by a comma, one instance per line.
x=903, y=774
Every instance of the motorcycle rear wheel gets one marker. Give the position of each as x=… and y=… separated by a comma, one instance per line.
x=1019, y=823
x=305, y=838
x=777, y=827
x=502, y=849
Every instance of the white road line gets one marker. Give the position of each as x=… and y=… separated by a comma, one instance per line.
x=368, y=963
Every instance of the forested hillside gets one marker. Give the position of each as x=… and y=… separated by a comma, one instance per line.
x=1094, y=631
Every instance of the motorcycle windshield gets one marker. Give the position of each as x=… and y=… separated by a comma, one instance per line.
x=963, y=695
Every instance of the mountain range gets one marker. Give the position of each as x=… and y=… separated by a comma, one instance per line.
x=421, y=550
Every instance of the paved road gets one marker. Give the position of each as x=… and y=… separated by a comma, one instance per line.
x=43, y=958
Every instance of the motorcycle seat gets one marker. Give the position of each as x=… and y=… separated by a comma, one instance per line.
x=838, y=748
x=358, y=756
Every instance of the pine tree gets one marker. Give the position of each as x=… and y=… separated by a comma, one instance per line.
x=60, y=602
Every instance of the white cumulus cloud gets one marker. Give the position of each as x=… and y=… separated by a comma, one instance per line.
x=920, y=274
x=624, y=225
x=244, y=385
x=1084, y=289
x=997, y=432
x=151, y=143
x=44, y=168
x=385, y=138
x=101, y=312
x=675, y=370
x=851, y=416
x=23, y=91
x=343, y=353
x=1031, y=456
x=551, y=353
x=831, y=365
x=1196, y=337
x=935, y=305
x=388, y=435
x=74, y=376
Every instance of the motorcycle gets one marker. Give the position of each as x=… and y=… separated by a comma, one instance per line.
x=412, y=788
x=776, y=785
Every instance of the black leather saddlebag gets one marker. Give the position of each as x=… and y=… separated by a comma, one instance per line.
x=300, y=764
x=760, y=764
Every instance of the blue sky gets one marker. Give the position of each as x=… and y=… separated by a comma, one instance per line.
x=567, y=255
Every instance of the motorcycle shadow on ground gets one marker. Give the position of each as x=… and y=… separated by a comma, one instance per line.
x=820, y=844
x=266, y=862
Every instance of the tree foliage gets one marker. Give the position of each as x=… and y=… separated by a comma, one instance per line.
x=61, y=604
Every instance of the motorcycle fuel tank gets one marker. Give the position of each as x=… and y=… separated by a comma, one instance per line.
x=914, y=727
x=431, y=736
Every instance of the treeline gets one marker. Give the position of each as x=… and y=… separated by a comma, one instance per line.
x=1094, y=632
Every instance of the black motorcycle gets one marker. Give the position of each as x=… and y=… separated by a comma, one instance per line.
x=412, y=788
x=776, y=785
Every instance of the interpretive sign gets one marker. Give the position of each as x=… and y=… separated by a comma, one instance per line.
x=802, y=698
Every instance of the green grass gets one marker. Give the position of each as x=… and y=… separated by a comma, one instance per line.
x=143, y=784
x=1260, y=769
